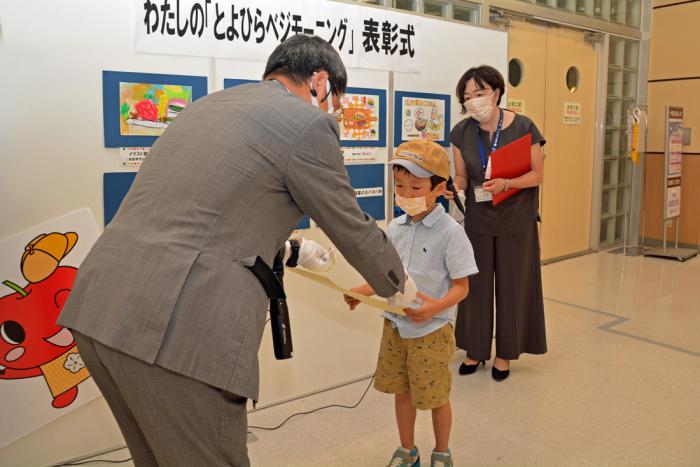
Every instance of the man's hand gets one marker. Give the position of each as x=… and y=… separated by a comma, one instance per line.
x=314, y=257
x=407, y=297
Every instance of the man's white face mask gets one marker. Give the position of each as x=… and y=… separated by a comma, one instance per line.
x=329, y=98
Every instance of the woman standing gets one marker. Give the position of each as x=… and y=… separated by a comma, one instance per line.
x=505, y=238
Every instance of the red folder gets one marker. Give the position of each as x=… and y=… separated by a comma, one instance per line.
x=511, y=161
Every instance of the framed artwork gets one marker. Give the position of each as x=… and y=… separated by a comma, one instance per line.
x=117, y=184
x=138, y=107
x=420, y=115
x=229, y=83
x=368, y=182
x=115, y=187
x=363, y=119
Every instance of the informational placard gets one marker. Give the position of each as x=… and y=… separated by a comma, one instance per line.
x=673, y=161
x=572, y=113
x=132, y=157
x=516, y=105
x=365, y=37
x=369, y=192
x=360, y=155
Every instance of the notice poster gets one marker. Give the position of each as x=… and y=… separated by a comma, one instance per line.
x=673, y=162
x=516, y=105
x=572, y=113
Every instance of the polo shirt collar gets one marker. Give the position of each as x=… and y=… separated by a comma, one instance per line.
x=431, y=218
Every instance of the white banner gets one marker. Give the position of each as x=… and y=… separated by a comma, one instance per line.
x=250, y=30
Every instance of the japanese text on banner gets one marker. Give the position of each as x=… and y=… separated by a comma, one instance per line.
x=250, y=30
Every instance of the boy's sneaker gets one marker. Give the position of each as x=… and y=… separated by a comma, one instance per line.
x=441, y=459
x=404, y=458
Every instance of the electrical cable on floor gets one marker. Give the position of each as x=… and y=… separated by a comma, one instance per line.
x=250, y=427
x=316, y=410
x=83, y=462
x=92, y=462
x=68, y=464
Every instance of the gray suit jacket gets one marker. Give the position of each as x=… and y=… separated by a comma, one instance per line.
x=228, y=180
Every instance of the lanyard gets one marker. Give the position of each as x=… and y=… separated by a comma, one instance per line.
x=495, y=141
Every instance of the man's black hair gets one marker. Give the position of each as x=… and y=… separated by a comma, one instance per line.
x=481, y=74
x=300, y=56
x=435, y=180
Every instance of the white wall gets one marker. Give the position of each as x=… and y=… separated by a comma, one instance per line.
x=51, y=146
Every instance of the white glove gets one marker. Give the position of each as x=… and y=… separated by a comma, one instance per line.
x=405, y=299
x=314, y=257
x=462, y=197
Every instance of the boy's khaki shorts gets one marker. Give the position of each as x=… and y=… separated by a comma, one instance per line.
x=419, y=367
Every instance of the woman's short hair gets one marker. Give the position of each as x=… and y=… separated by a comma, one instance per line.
x=483, y=74
x=300, y=56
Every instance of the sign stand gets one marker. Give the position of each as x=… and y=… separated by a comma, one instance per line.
x=637, y=121
x=672, y=191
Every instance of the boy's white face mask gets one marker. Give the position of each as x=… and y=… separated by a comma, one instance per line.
x=417, y=205
x=412, y=206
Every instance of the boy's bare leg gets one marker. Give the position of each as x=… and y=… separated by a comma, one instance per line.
x=442, y=424
x=405, y=419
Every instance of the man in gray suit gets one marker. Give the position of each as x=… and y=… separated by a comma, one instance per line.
x=166, y=316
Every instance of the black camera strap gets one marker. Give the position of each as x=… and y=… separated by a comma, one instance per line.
x=267, y=279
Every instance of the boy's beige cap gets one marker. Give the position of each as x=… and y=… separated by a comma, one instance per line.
x=422, y=158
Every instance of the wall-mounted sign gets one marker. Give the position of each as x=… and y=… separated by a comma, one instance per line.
x=572, y=113
x=132, y=157
x=516, y=105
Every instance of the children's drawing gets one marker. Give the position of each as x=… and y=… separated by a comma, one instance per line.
x=423, y=119
x=362, y=118
x=420, y=115
x=359, y=120
x=138, y=107
x=147, y=109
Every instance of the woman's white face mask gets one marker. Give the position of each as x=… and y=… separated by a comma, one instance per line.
x=480, y=108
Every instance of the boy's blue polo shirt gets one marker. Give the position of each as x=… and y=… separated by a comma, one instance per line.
x=434, y=251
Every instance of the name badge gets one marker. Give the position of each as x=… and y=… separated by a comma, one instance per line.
x=481, y=195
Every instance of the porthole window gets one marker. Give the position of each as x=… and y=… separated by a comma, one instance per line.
x=572, y=79
x=515, y=72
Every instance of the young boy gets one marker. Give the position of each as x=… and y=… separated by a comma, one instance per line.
x=416, y=349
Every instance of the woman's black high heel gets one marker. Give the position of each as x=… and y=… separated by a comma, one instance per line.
x=499, y=375
x=465, y=369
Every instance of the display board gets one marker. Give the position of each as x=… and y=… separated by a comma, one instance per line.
x=52, y=142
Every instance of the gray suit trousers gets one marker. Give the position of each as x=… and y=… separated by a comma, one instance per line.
x=168, y=419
